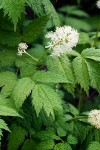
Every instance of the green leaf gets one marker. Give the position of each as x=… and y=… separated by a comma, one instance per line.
x=62, y=146
x=91, y=53
x=81, y=72
x=13, y=9
x=84, y=38
x=34, y=29
x=22, y=90
x=45, y=7
x=29, y=144
x=65, y=69
x=61, y=132
x=46, y=97
x=94, y=74
x=79, y=24
x=6, y=38
x=7, y=57
x=45, y=145
x=72, y=139
x=7, y=82
x=74, y=10
x=3, y=125
x=49, y=77
x=7, y=111
x=16, y=137
x=94, y=146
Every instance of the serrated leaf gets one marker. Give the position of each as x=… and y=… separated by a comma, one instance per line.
x=94, y=146
x=7, y=82
x=91, y=53
x=81, y=72
x=13, y=9
x=3, y=125
x=22, y=90
x=65, y=69
x=6, y=111
x=49, y=77
x=94, y=74
x=34, y=29
x=46, y=97
x=16, y=137
x=45, y=7
x=72, y=139
x=62, y=146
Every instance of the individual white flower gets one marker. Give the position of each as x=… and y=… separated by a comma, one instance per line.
x=94, y=118
x=98, y=4
x=22, y=48
x=62, y=39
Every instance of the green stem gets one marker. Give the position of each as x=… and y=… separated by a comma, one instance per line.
x=81, y=100
x=31, y=56
x=97, y=33
x=45, y=53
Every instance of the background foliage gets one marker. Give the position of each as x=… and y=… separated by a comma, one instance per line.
x=45, y=105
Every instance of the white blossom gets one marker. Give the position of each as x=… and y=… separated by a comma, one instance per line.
x=62, y=39
x=98, y=4
x=94, y=118
x=22, y=48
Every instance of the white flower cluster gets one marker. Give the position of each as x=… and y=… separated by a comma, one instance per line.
x=98, y=4
x=94, y=118
x=22, y=48
x=62, y=39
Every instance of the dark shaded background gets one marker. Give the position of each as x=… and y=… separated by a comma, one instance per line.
x=87, y=5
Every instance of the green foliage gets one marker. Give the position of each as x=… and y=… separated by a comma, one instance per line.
x=94, y=145
x=34, y=29
x=7, y=82
x=62, y=146
x=44, y=7
x=13, y=9
x=22, y=90
x=46, y=97
x=81, y=72
x=91, y=53
x=42, y=103
x=49, y=77
x=18, y=136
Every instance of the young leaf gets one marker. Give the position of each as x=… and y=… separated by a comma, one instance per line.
x=13, y=9
x=7, y=82
x=34, y=29
x=22, y=90
x=45, y=97
x=16, y=137
x=81, y=72
x=91, y=53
